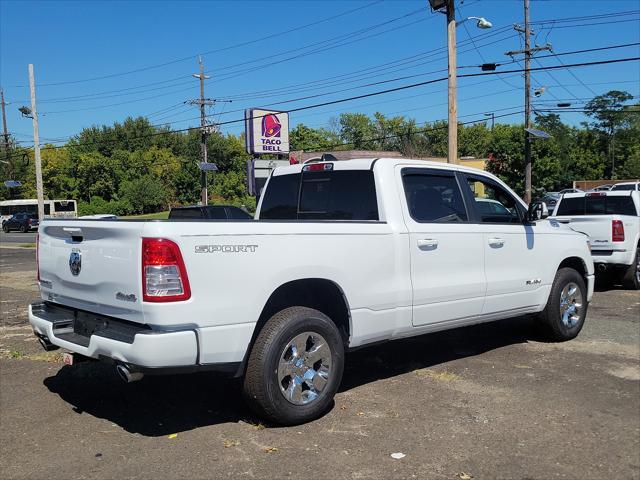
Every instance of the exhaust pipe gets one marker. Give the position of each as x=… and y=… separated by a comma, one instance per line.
x=127, y=375
x=46, y=344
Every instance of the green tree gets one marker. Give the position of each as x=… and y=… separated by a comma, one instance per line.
x=145, y=194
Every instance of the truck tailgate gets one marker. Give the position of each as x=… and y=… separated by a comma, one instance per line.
x=92, y=265
x=597, y=227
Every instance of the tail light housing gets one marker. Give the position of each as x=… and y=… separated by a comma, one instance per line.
x=164, y=276
x=617, y=231
x=38, y=255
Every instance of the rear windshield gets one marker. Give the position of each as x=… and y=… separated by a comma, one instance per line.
x=330, y=195
x=597, y=205
x=629, y=186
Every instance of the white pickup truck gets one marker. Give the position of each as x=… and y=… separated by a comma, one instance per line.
x=612, y=221
x=340, y=255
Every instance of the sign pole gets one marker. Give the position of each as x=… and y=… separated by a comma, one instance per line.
x=36, y=144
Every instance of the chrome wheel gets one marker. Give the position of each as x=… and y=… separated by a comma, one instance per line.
x=304, y=368
x=570, y=304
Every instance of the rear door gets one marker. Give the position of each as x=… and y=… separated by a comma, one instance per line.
x=92, y=265
x=447, y=258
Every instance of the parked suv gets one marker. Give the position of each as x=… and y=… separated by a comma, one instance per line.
x=209, y=212
x=24, y=222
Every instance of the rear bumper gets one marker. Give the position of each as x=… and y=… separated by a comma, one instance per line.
x=613, y=256
x=591, y=282
x=123, y=342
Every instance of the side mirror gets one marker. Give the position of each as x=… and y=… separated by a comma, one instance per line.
x=537, y=211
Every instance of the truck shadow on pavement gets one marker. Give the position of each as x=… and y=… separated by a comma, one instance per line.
x=158, y=406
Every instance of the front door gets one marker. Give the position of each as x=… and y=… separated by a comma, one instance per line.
x=513, y=267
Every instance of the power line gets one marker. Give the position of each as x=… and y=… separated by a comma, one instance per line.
x=381, y=92
x=86, y=96
x=191, y=57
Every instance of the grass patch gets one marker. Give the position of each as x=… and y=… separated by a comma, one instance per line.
x=27, y=245
x=149, y=216
x=50, y=357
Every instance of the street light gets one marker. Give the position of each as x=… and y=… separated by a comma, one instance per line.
x=483, y=23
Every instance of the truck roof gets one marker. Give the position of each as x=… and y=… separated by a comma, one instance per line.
x=367, y=164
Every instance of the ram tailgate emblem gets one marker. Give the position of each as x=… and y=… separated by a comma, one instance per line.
x=75, y=262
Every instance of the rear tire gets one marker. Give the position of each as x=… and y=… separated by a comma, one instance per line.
x=24, y=229
x=295, y=367
x=566, y=310
x=631, y=277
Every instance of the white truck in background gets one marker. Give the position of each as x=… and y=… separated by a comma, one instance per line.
x=340, y=255
x=612, y=221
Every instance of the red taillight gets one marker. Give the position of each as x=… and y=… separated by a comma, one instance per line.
x=164, y=276
x=37, y=255
x=617, y=231
x=28, y=221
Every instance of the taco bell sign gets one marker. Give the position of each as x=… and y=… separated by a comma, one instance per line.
x=266, y=131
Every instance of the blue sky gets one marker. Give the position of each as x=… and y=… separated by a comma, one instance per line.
x=77, y=44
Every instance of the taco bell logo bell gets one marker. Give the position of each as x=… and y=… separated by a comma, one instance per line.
x=271, y=126
x=271, y=131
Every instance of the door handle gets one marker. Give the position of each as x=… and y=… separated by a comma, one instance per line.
x=428, y=243
x=496, y=242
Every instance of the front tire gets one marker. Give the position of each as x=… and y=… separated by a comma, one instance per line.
x=5, y=228
x=295, y=367
x=631, y=277
x=566, y=310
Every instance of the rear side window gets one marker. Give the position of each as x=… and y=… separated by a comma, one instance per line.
x=597, y=205
x=624, y=187
x=434, y=197
x=571, y=206
x=322, y=195
x=280, y=201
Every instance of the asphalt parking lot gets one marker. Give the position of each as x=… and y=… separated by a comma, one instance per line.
x=9, y=238
x=490, y=401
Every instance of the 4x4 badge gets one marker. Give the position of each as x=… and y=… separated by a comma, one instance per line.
x=75, y=262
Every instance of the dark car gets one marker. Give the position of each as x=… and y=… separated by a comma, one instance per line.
x=210, y=212
x=551, y=199
x=21, y=221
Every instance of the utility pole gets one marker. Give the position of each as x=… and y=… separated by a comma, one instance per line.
x=493, y=119
x=452, y=154
x=527, y=104
x=36, y=144
x=528, y=53
x=204, y=195
x=4, y=125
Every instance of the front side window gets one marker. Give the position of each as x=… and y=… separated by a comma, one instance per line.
x=493, y=204
x=434, y=197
